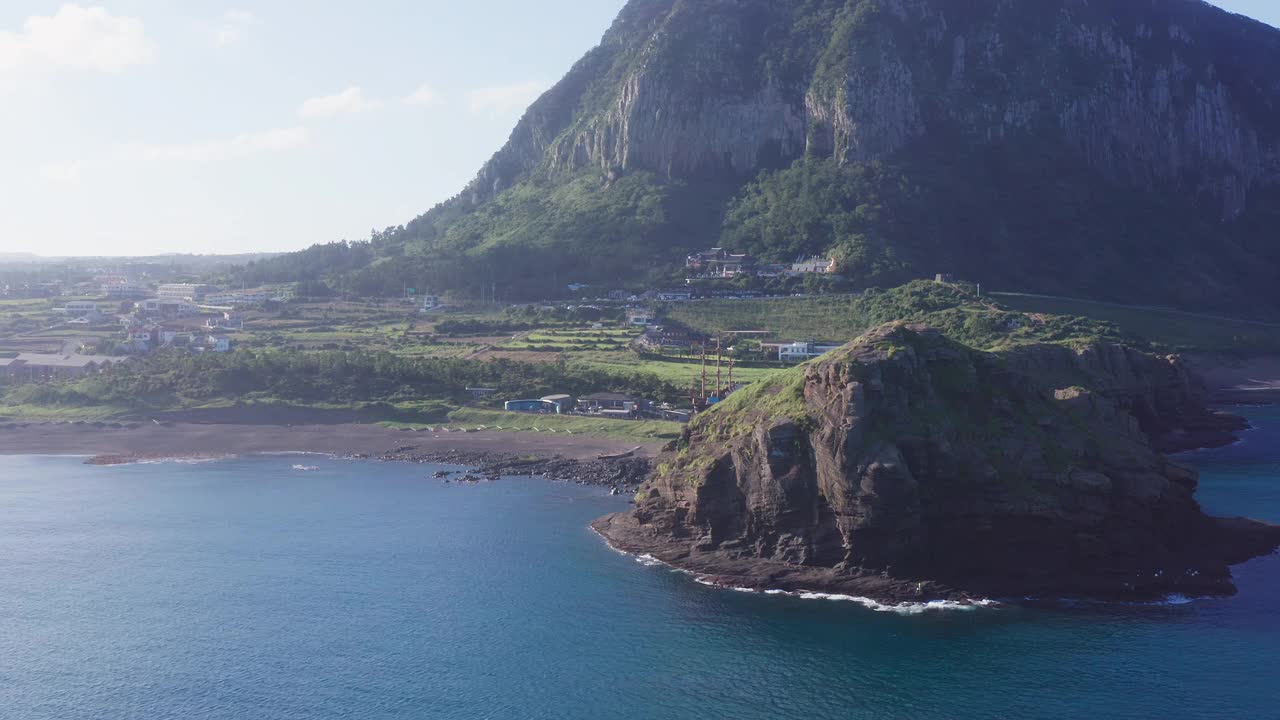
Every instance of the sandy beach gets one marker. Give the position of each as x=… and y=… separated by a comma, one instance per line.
x=207, y=440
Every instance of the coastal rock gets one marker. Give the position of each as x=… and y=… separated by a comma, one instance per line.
x=906, y=466
x=1163, y=394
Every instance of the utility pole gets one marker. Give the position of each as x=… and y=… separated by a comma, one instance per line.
x=704, y=372
x=719, y=384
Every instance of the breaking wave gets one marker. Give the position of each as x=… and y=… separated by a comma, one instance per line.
x=898, y=608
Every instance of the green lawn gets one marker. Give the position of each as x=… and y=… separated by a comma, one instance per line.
x=639, y=430
x=580, y=339
x=841, y=318
x=1170, y=330
x=25, y=304
x=681, y=374
x=790, y=319
x=47, y=413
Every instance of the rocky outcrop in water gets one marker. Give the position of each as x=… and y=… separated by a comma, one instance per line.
x=908, y=467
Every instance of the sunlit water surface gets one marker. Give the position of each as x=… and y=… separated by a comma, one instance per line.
x=248, y=590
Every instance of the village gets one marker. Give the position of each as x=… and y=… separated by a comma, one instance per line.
x=70, y=330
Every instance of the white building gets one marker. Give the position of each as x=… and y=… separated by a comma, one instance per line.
x=641, y=318
x=814, y=265
x=230, y=320
x=80, y=308
x=212, y=343
x=184, y=291
x=168, y=307
x=123, y=290
x=801, y=351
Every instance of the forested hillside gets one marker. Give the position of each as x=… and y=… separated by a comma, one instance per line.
x=1111, y=149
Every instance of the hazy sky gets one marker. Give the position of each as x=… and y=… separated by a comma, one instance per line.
x=147, y=126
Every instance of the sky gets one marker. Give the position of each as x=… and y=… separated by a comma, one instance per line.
x=136, y=127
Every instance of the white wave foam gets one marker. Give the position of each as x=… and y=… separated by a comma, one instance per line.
x=182, y=460
x=901, y=608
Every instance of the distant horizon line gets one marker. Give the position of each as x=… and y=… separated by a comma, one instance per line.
x=8, y=256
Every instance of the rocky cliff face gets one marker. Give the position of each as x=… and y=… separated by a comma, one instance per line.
x=1166, y=397
x=905, y=466
x=1112, y=149
x=1175, y=93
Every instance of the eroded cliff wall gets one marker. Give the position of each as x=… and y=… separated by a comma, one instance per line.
x=906, y=460
x=1169, y=93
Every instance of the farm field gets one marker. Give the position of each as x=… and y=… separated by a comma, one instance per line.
x=969, y=318
x=682, y=374
x=791, y=319
x=1169, y=330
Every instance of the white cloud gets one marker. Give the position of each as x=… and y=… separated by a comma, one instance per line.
x=65, y=173
x=241, y=17
x=76, y=38
x=232, y=27
x=505, y=98
x=425, y=96
x=351, y=100
x=243, y=145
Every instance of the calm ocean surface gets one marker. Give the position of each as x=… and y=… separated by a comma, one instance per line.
x=246, y=590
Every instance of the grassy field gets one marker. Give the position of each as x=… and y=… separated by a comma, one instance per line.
x=55, y=413
x=19, y=316
x=1169, y=330
x=641, y=431
x=581, y=339
x=989, y=323
x=791, y=319
x=678, y=373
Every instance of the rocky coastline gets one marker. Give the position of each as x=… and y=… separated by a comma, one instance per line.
x=623, y=474
x=908, y=468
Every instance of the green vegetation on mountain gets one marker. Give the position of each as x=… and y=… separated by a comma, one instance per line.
x=529, y=242
x=1114, y=150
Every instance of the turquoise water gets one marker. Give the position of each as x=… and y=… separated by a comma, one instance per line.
x=246, y=590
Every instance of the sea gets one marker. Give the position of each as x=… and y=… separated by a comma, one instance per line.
x=284, y=588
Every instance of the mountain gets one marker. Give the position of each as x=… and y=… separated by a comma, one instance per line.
x=19, y=257
x=905, y=466
x=1119, y=149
